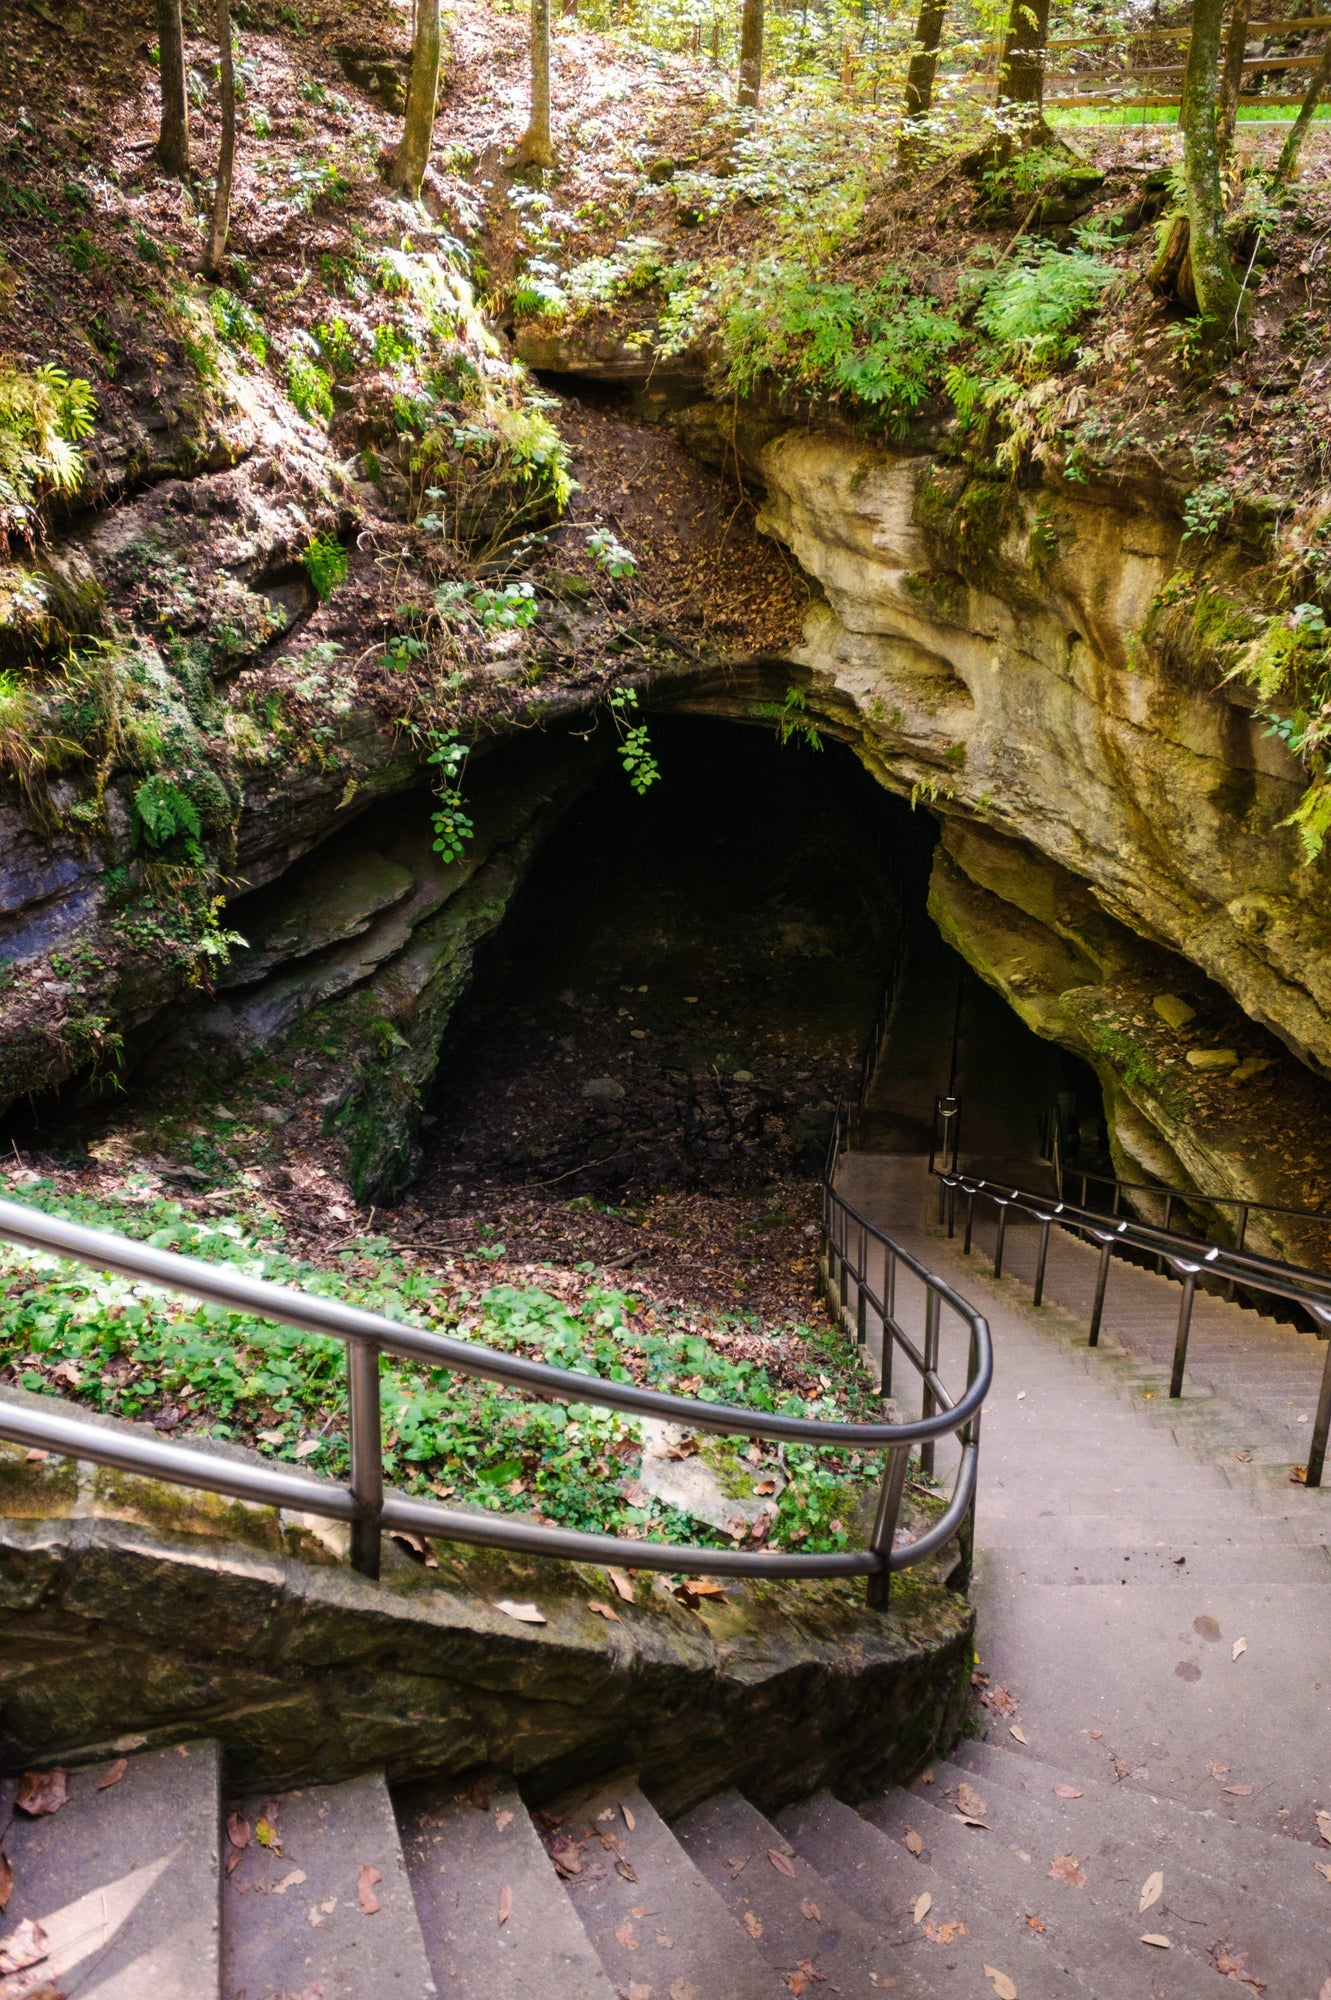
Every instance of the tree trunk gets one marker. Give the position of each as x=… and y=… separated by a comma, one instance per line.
x=751, y=53
x=1289, y=152
x=536, y=148
x=226, y=158
x=924, y=57
x=172, y=149
x=1213, y=277
x=413, y=153
x=1021, y=69
x=1231, y=76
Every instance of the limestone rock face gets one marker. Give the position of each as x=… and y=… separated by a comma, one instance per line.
x=993, y=648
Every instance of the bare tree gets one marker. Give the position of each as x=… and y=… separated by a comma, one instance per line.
x=751, y=53
x=1289, y=152
x=172, y=149
x=536, y=148
x=1231, y=76
x=413, y=153
x=924, y=57
x=1213, y=278
x=1021, y=66
x=226, y=156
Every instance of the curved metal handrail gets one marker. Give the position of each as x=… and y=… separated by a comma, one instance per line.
x=1188, y=1258
x=370, y=1510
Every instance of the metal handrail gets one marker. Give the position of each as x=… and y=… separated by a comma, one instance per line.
x=1172, y=1196
x=363, y=1501
x=1187, y=1257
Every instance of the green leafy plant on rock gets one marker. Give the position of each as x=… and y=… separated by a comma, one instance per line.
x=325, y=561
x=44, y=413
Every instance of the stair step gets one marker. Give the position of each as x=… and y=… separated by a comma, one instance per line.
x=495, y=1917
x=123, y=1879
x=958, y=1936
x=799, y=1921
x=1096, y=1926
x=1296, y=1567
x=654, y=1919
x=1270, y=1864
x=1173, y=1530
x=296, y=1916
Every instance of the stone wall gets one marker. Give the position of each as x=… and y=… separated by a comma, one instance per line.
x=134, y=1614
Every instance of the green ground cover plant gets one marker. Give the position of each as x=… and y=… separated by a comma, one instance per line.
x=134, y=1352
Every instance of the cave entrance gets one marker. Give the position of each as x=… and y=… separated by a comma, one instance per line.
x=679, y=994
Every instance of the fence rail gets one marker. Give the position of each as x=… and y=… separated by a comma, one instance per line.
x=1188, y=1259
x=370, y=1510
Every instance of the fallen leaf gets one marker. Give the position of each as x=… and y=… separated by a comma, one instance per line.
x=115, y=1774
x=638, y=1992
x=629, y=1820
x=969, y=1802
x=505, y=1903
x=944, y=1933
x=1067, y=1792
x=1067, y=1868
x=1324, y=1824
x=622, y=1584
x=1243, y=1457
x=365, y=1882
x=625, y=1870
x=1240, y=1646
x=6, y=1881
x=765, y=1486
x=290, y=1881
x=753, y=1923
x=781, y=1862
x=1322, y=1867
x=526, y=1614
x=42, y=1792
x=237, y=1830
x=233, y=1861
x=1021, y=1395
x=1003, y=1987
x=566, y=1857
x=811, y=1911
x=605, y=1611
x=1034, y=1924
x=1161, y=1943
x=26, y=1946
x=968, y=1819
x=266, y=1834
x=1239, y=1791
x=624, y=1935
x=1233, y=1965
x=307, y=1448
x=1153, y=1888
x=680, y=1989
x=1218, y=1770
x=913, y=1842
x=921, y=1907
x=797, y=1981
x=1015, y=1729
x=503, y=1819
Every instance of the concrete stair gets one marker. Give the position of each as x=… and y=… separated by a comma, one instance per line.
x=151, y=1882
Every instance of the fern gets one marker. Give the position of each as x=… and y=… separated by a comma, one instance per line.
x=879, y=344
x=1030, y=310
x=43, y=417
x=164, y=815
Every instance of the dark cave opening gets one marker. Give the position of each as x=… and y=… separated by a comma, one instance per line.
x=679, y=994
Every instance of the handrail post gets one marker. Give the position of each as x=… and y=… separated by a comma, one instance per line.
x=959, y=1576
x=1322, y=1423
x=998, y=1239
x=1037, y=1296
x=927, y=1406
x=878, y=1582
x=367, y=1455
x=889, y=1315
x=862, y=1290
x=1098, y=1303
x=1184, y=1324
x=970, y=1223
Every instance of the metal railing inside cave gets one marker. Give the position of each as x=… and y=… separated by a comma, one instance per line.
x=1189, y=1259
x=370, y=1510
